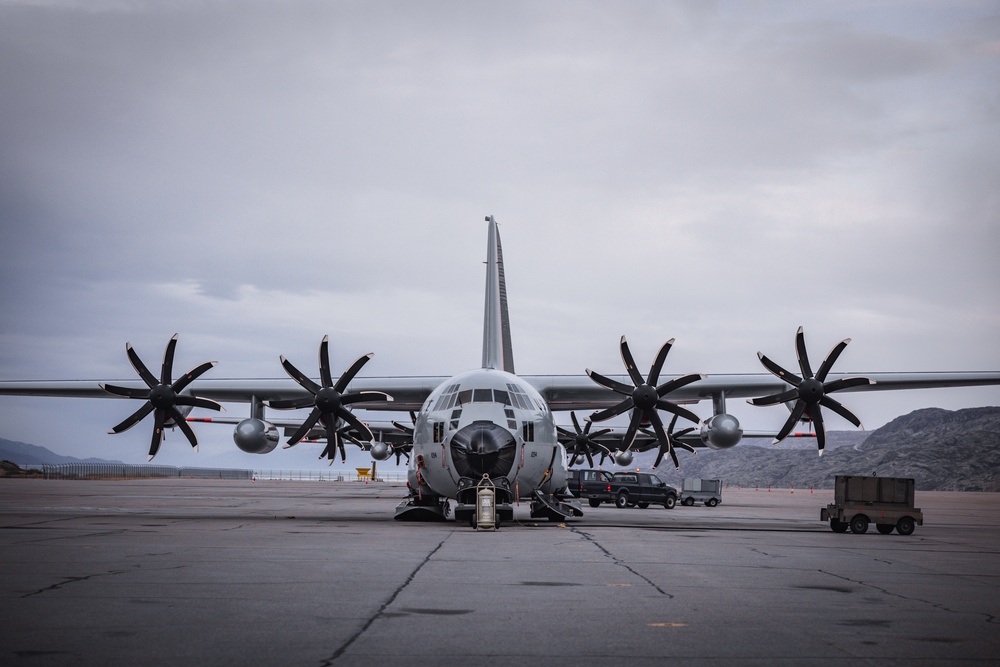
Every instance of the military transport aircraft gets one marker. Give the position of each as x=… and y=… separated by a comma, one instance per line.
x=489, y=426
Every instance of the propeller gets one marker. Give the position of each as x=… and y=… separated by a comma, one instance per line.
x=162, y=396
x=582, y=442
x=810, y=391
x=674, y=443
x=328, y=401
x=405, y=448
x=645, y=397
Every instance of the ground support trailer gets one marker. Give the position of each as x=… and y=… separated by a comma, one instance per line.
x=885, y=501
x=708, y=491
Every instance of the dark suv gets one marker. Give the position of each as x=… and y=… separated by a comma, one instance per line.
x=594, y=485
x=641, y=489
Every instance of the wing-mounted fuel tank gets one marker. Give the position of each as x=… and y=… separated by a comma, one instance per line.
x=722, y=431
x=256, y=436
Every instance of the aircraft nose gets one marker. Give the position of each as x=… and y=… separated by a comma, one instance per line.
x=483, y=448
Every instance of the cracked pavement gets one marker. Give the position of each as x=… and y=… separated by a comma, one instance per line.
x=318, y=573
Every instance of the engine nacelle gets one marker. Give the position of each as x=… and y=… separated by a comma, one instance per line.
x=255, y=436
x=380, y=451
x=721, y=431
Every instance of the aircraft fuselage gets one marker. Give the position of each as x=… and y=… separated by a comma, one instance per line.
x=486, y=422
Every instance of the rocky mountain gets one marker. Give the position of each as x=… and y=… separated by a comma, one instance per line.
x=943, y=450
x=24, y=454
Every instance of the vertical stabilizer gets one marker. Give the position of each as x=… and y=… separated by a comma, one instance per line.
x=497, y=349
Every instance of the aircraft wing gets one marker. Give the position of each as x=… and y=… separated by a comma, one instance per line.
x=573, y=392
x=561, y=392
x=408, y=393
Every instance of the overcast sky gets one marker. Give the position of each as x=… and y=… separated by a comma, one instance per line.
x=256, y=175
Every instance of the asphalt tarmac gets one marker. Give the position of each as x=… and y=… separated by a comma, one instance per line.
x=168, y=572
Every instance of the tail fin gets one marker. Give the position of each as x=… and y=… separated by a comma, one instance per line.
x=497, y=349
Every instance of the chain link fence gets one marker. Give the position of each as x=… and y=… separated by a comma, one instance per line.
x=150, y=471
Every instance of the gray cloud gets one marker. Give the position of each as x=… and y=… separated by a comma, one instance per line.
x=257, y=175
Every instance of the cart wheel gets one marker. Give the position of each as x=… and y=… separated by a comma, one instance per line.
x=905, y=526
x=838, y=526
x=643, y=506
x=859, y=524
x=594, y=502
x=689, y=502
x=670, y=502
x=884, y=528
x=711, y=502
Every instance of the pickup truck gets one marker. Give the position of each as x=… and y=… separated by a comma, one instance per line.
x=594, y=485
x=641, y=489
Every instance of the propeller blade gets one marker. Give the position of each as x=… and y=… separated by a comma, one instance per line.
x=819, y=429
x=633, y=426
x=837, y=407
x=608, y=383
x=802, y=354
x=590, y=458
x=667, y=406
x=629, y=362
x=133, y=419
x=677, y=383
x=781, y=373
x=299, y=377
x=576, y=424
x=154, y=444
x=124, y=391
x=140, y=367
x=659, y=459
x=775, y=399
x=366, y=397
x=183, y=426
x=663, y=439
x=192, y=375
x=612, y=411
x=846, y=383
x=356, y=424
x=199, y=402
x=831, y=358
x=349, y=374
x=332, y=438
x=168, y=361
x=793, y=418
x=345, y=433
x=304, y=428
x=406, y=429
x=291, y=403
x=683, y=445
x=661, y=356
x=324, y=362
